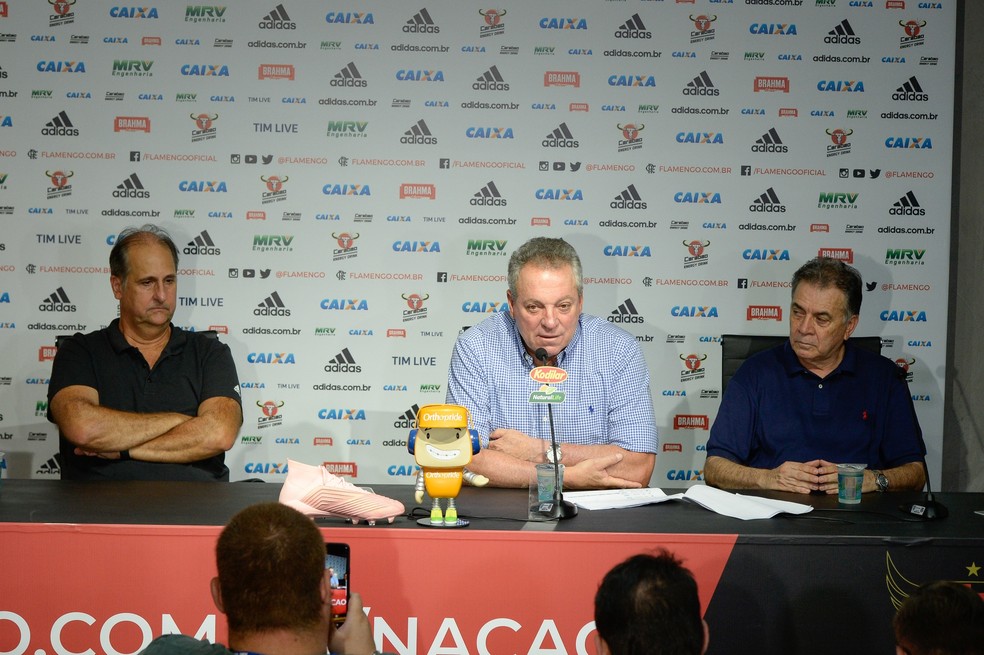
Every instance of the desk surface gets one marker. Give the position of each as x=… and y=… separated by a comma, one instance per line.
x=202, y=503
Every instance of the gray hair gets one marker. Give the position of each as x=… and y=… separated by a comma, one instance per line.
x=825, y=273
x=546, y=253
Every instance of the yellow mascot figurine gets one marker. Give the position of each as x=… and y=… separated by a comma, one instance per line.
x=443, y=445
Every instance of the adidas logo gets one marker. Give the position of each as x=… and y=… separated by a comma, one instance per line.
x=769, y=142
x=907, y=205
x=202, y=245
x=628, y=199
x=131, y=187
x=561, y=137
x=421, y=23
x=768, y=202
x=408, y=419
x=911, y=91
x=488, y=196
x=490, y=80
x=419, y=134
x=343, y=362
x=701, y=86
x=60, y=125
x=277, y=20
x=271, y=306
x=625, y=313
x=841, y=34
x=57, y=302
x=633, y=29
x=51, y=467
x=348, y=76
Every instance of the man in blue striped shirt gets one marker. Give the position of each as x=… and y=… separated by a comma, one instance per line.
x=605, y=427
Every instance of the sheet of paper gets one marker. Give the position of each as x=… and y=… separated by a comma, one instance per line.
x=617, y=498
x=737, y=506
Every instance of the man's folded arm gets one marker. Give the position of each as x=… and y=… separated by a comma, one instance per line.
x=210, y=433
x=636, y=467
x=726, y=474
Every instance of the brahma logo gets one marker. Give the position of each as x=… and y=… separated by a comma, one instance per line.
x=410, y=190
x=691, y=421
x=903, y=316
x=627, y=251
x=763, y=313
x=763, y=83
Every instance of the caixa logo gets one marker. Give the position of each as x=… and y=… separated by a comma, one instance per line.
x=627, y=251
x=401, y=470
x=697, y=311
x=909, y=142
x=346, y=190
x=133, y=12
x=266, y=468
x=60, y=629
x=45, y=66
x=685, y=474
x=484, y=307
x=903, y=316
x=559, y=194
x=205, y=70
x=270, y=358
x=765, y=254
x=203, y=186
x=417, y=246
x=342, y=414
x=697, y=197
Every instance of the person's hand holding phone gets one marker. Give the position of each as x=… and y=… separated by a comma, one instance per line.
x=354, y=637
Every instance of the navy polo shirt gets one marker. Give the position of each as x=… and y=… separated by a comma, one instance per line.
x=774, y=411
x=191, y=369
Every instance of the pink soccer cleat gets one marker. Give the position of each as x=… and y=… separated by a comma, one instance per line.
x=314, y=491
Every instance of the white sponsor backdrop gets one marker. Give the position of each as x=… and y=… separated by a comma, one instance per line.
x=346, y=182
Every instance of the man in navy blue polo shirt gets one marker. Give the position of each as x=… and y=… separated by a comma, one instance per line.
x=142, y=399
x=792, y=413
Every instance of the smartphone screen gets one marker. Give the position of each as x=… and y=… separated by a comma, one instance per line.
x=339, y=564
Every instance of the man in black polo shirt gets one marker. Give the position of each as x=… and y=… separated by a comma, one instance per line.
x=142, y=399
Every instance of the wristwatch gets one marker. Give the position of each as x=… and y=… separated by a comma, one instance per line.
x=553, y=456
x=881, y=482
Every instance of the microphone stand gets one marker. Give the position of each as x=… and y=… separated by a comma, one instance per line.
x=559, y=508
x=929, y=509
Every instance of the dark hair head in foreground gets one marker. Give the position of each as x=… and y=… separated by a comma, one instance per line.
x=941, y=618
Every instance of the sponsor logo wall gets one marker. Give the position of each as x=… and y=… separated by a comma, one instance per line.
x=345, y=188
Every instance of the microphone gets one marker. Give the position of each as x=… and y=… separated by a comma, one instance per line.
x=929, y=509
x=559, y=508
